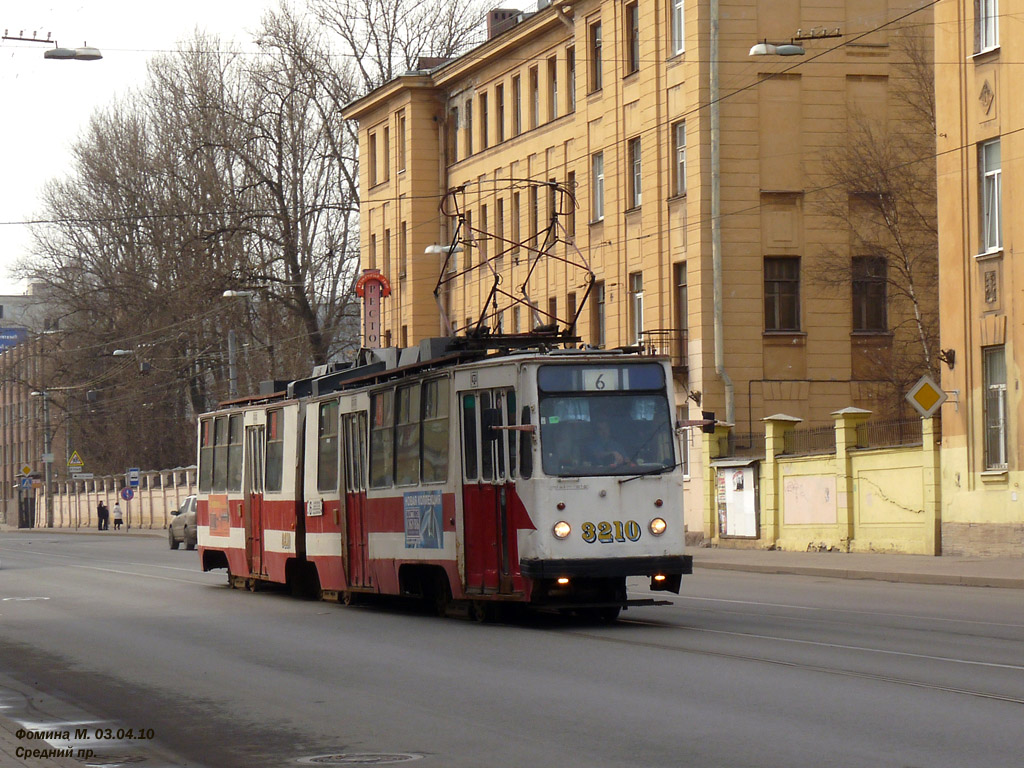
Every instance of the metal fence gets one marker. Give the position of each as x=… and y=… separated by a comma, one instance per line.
x=889, y=433
x=810, y=442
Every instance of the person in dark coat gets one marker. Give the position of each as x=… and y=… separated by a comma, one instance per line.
x=103, y=517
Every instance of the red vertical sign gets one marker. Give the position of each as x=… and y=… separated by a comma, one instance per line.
x=372, y=287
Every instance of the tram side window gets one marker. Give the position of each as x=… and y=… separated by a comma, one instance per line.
x=235, y=452
x=407, y=436
x=382, y=409
x=435, y=431
x=206, y=455
x=510, y=420
x=469, y=444
x=526, y=448
x=486, y=455
x=275, y=451
x=220, y=453
x=327, y=448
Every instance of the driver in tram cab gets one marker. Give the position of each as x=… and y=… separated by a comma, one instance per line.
x=605, y=449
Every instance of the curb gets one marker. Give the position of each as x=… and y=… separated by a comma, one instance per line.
x=903, y=577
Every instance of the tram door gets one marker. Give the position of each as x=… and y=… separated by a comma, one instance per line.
x=487, y=470
x=254, y=468
x=354, y=442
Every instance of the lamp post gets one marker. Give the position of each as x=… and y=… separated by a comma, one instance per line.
x=47, y=457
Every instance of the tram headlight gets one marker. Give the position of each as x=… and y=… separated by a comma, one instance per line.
x=562, y=529
x=658, y=526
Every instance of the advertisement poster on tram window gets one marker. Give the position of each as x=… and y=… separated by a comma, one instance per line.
x=220, y=523
x=423, y=529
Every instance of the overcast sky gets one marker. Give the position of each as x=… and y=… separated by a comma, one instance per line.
x=45, y=104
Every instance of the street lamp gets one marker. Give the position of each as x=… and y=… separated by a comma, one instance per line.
x=85, y=53
x=47, y=457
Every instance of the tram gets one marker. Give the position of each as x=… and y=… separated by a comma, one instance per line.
x=541, y=476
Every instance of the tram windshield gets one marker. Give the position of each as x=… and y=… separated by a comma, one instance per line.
x=604, y=419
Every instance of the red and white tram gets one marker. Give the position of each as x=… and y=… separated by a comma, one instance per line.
x=543, y=478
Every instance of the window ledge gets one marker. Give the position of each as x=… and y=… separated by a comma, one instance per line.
x=678, y=196
x=994, y=476
x=989, y=255
x=597, y=221
x=985, y=55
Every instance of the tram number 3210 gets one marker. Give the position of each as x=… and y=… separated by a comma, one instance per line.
x=608, y=532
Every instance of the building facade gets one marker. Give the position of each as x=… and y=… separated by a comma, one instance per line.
x=979, y=123
x=699, y=176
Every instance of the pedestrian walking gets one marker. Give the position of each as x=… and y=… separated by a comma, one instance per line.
x=103, y=517
x=118, y=516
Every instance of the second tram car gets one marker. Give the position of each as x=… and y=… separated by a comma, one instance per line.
x=543, y=478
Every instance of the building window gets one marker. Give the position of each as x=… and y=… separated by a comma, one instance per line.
x=595, y=57
x=781, y=294
x=534, y=97
x=570, y=312
x=483, y=237
x=534, y=216
x=552, y=311
x=516, y=213
x=571, y=205
x=403, y=249
x=681, y=302
x=679, y=157
x=634, y=165
x=484, y=127
x=869, y=294
x=500, y=246
x=636, y=307
x=387, y=252
x=552, y=88
x=990, y=161
x=678, y=28
x=469, y=127
x=570, y=77
x=401, y=141
x=994, y=369
x=597, y=186
x=517, y=106
x=632, y=12
x=597, y=316
x=986, y=24
x=499, y=108
x=373, y=252
x=371, y=155
x=453, y=136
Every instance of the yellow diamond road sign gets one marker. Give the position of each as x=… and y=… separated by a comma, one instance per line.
x=926, y=396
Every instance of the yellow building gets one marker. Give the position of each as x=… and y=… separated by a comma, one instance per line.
x=980, y=116
x=699, y=178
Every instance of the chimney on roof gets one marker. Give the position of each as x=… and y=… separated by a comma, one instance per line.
x=500, y=20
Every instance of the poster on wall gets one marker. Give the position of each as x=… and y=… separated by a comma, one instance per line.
x=737, y=498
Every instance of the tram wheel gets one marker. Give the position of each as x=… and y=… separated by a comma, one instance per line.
x=605, y=615
x=441, y=594
x=482, y=611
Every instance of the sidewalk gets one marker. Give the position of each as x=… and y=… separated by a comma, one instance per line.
x=1006, y=572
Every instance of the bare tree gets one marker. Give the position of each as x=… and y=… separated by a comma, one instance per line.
x=881, y=187
x=388, y=37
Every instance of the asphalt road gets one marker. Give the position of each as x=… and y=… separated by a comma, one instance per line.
x=743, y=670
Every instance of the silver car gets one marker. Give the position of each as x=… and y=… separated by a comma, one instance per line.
x=183, y=525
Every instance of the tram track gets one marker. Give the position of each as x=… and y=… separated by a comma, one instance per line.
x=829, y=670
